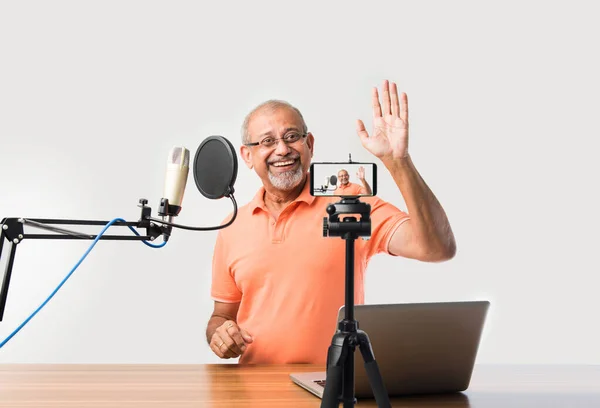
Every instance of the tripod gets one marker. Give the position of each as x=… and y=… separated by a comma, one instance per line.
x=339, y=385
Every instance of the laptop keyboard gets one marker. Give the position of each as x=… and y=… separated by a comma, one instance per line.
x=320, y=382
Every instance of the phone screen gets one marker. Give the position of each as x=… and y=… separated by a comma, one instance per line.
x=343, y=179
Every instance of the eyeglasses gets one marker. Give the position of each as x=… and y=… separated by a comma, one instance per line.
x=288, y=139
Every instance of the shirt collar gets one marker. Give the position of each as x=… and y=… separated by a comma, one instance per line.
x=258, y=202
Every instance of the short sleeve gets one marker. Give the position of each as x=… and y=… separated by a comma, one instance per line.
x=223, y=287
x=385, y=220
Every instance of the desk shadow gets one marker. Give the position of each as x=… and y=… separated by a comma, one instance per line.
x=455, y=400
x=545, y=399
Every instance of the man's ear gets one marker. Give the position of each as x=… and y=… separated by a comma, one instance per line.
x=310, y=141
x=246, y=156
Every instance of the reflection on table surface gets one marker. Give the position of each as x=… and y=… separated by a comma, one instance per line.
x=230, y=385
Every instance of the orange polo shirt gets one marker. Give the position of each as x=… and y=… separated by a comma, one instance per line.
x=288, y=278
x=350, y=189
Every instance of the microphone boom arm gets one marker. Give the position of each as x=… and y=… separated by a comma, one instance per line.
x=15, y=234
x=11, y=229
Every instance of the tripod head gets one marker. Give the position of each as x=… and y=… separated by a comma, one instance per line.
x=349, y=227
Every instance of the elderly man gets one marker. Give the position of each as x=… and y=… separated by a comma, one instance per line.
x=346, y=188
x=277, y=282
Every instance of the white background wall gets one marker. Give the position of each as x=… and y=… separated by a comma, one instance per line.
x=504, y=128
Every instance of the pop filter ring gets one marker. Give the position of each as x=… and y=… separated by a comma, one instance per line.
x=230, y=158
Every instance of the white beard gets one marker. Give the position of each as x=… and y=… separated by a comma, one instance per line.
x=287, y=180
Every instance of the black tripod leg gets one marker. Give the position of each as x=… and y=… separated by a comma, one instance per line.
x=372, y=369
x=338, y=352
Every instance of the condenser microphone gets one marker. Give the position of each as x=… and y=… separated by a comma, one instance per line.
x=215, y=171
x=178, y=167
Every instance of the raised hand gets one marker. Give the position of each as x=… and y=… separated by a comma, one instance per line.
x=361, y=173
x=389, y=138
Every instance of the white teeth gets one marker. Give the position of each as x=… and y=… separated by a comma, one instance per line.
x=285, y=163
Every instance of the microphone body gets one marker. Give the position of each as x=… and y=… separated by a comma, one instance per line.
x=178, y=167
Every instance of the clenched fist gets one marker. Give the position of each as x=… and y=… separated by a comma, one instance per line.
x=229, y=340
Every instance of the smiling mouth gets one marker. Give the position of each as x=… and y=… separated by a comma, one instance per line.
x=284, y=164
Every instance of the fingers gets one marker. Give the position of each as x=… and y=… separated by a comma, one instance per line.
x=237, y=344
x=218, y=346
x=385, y=97
x=392, y=105
x=375, y=102
x=362, y=131
x=404, y=108
x=394, y=100
x=246, y=336
x=228, y=340
x=230, y=333
x=360, y=173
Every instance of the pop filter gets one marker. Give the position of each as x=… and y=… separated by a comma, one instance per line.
x=215, y=167
x=333, y=180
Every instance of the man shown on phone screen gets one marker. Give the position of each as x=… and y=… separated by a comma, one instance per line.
x=277, y=283
x=346, y=188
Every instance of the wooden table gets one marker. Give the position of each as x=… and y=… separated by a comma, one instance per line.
x=227, y=385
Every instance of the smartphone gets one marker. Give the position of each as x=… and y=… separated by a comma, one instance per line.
x=339, y=179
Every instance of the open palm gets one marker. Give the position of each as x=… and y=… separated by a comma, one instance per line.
x=389, y=139
x=361, y=173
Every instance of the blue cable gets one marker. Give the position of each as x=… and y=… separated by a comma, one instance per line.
x=73, y=270
x=136, y=233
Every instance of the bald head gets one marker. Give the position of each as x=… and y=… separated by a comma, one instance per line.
x=269, y=106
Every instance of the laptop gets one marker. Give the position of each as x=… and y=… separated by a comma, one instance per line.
x=420, y=348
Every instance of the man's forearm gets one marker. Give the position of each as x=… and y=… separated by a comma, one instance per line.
x=367, y=187
x=430, y=224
